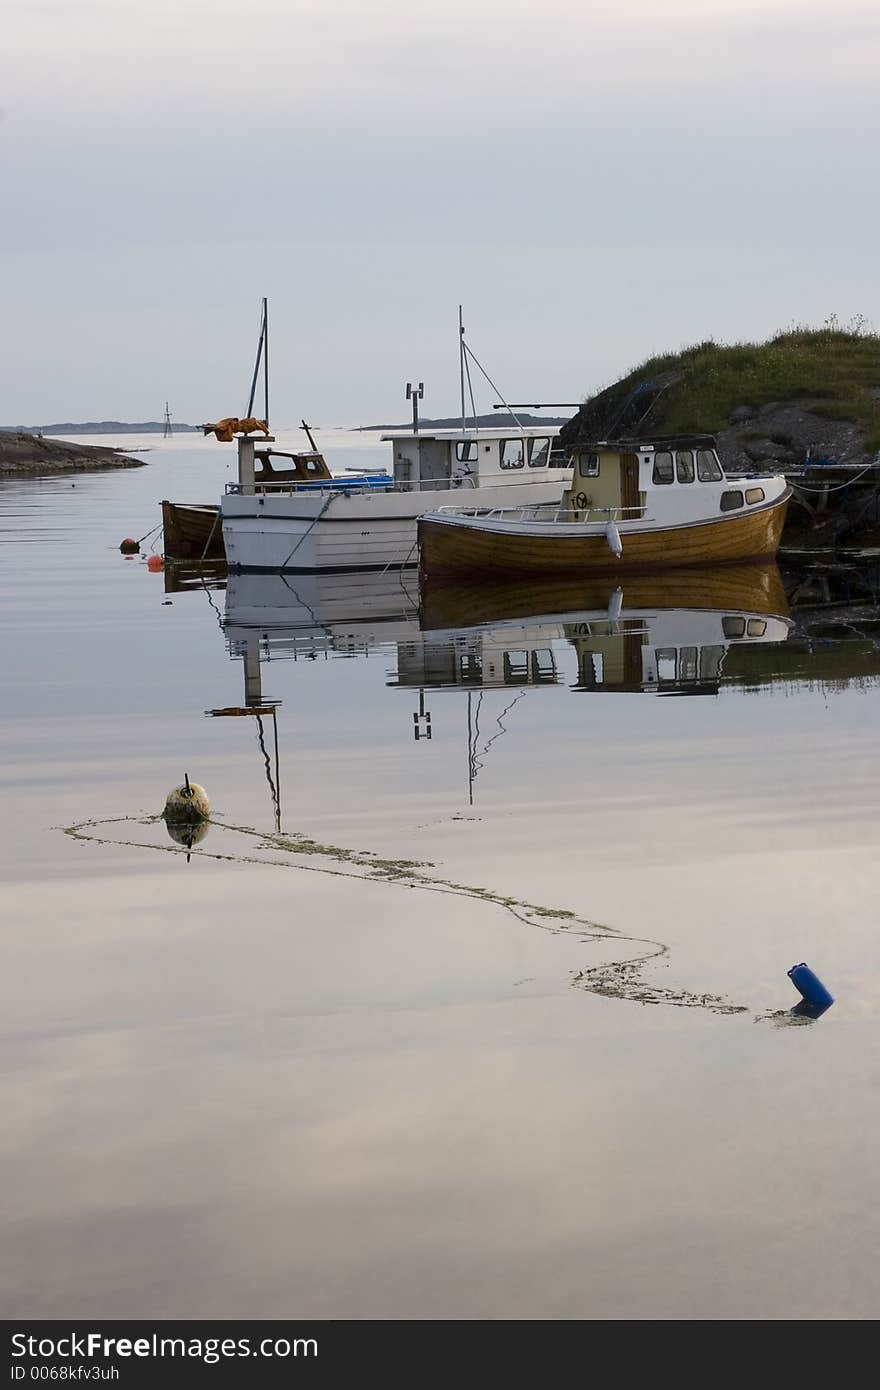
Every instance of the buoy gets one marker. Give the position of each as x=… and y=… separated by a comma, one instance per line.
x=816, y=998
x=129, y=546
x=188, y=803
x=155, y=564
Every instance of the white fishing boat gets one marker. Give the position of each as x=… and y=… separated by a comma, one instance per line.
x=284, y=526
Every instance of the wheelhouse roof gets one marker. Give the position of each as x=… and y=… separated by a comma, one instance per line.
x=469, y=432
x=635, y=446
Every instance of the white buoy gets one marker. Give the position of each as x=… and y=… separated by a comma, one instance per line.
x=187, y=803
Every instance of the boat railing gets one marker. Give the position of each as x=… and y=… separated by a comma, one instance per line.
x=363, y=483
x=544, y=513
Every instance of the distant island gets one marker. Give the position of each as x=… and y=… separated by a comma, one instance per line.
x=499, y=419
x=27, y=454
x=100, y=427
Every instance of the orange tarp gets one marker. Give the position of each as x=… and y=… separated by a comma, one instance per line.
x=226, y=429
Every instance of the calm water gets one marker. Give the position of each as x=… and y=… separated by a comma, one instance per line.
x=273, y=1080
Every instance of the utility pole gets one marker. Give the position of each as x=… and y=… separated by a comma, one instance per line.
x=415, y=394
x=167, y=430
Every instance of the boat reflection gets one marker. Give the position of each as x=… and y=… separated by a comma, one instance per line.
x=681, y=632
x=669, y=633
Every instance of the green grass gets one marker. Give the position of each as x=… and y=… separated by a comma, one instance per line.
x=830, y=370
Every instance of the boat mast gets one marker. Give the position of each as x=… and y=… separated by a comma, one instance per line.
x=461, y=365
x=262, y=356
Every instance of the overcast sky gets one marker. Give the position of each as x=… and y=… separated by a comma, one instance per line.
x=594, y=181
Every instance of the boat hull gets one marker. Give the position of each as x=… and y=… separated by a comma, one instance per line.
x=304, y=532
x=455, y=546
x=192, y=532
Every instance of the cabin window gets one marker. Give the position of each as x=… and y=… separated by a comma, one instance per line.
x=733, y=627
x=470, y=668
x=757, y=627
x=687, y=664
x=539, y=453
x=516, y=668
x=543, y=666
x=662, y=468
x=588, y=465
x=513, y=454
x=684, y=466
x=710, y=662
x=708, y=467
x=730, y=501
x=754, y=494
x=466, y=451
x=666, y=663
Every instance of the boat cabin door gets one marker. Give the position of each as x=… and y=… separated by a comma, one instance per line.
x=435, y=465
x=629, y=483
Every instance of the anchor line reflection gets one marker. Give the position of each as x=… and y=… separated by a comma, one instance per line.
x=621, y=979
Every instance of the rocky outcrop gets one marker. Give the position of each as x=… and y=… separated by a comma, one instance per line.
x=31, y=454
x=805, y=395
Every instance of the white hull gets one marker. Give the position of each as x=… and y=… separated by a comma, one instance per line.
x=303, y=532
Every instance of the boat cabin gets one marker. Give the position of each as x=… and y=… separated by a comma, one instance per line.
x=619, y=474
x=308, y=467
x=438, y=459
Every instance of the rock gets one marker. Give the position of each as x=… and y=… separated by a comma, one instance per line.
x=32, y=454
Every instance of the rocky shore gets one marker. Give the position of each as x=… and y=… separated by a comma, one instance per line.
x=30, y=454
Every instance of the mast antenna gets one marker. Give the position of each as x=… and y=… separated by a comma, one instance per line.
x=167, y=431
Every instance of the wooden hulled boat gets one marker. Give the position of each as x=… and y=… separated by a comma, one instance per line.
x=192, y=531
x=630, y=506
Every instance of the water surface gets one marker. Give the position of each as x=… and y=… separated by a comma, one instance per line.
x=301, y=1087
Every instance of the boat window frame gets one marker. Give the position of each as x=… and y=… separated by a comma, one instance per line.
x=729, y=498
x=591, y=470
x=472, y=454
x=714, y=473
x=679, y=455
x=539, y=439
x=754, y=495
x=502, y=449
x=655, y=477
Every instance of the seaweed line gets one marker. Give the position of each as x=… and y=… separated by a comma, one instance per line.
x=617, y=979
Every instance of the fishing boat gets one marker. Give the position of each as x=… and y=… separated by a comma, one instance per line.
x=336, y=526
x=340, y=525
x=630, y=505
x=193, y=531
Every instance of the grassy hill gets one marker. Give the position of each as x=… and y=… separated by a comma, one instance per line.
x=807, y=389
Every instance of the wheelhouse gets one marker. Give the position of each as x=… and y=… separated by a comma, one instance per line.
x=441, y=459
x=629, y=477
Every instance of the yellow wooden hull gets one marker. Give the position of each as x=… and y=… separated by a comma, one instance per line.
x=449, y=549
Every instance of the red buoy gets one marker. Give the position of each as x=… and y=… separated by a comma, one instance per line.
x=129, y=547
x=155, y=564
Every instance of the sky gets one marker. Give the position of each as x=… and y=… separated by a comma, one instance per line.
x=594, y=182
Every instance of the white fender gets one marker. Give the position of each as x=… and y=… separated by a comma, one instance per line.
x=615, y=604
x=612, y=536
